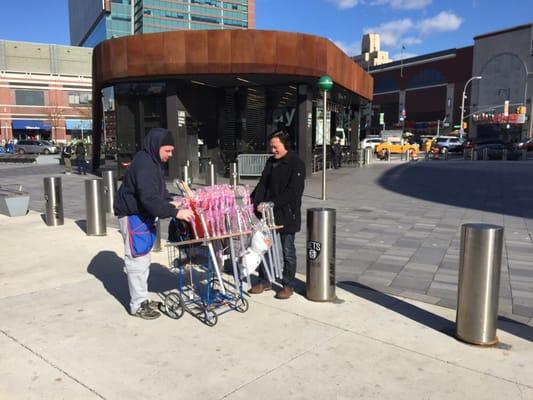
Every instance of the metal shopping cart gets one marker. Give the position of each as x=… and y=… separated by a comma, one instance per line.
x=204, y=290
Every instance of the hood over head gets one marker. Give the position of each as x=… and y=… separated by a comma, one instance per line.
x=154, y=140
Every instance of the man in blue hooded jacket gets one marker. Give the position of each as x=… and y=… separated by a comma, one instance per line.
x=141, y=199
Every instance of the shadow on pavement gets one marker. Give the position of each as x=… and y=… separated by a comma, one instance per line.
x=427, y=318
x=108, y=268
x=492, y=186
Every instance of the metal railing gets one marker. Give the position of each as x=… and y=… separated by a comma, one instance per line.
x=251, y=164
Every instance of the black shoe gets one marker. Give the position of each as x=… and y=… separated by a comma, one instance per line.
x=145, y=312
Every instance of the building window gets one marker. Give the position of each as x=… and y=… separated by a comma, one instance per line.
x=29, y=97
x=80, y=98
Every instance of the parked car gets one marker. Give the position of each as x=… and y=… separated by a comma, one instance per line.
x=394, y=147
x=527, y=145
x=448, y=143
x=495, y=151
x=35, y=146
x=371, y=142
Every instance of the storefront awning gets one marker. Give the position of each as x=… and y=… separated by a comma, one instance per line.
x=30, y=124
x=79, y=124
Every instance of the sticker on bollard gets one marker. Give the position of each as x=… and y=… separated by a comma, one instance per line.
x=313, y=250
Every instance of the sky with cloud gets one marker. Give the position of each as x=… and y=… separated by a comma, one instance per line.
x=406, y=27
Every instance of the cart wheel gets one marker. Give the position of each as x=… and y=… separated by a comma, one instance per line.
x=210, y=317
x=174, y=306
x=242, y=306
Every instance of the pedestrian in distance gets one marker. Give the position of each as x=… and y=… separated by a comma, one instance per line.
x=282, y=183
x=141, y=199
x=336, y=152
x=81, y=162
x=66, y=153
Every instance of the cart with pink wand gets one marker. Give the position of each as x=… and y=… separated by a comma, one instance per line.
x=207, y=255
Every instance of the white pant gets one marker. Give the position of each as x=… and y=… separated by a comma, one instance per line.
x=137, y=269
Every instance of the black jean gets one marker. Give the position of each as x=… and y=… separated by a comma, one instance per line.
x=289, y=261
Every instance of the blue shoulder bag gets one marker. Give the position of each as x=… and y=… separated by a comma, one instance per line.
x=142, y=232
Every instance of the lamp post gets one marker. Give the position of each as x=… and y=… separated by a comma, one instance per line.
x=462, y=130
x=325, y=84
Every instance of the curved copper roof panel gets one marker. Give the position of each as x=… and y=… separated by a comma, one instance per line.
x=234, y=52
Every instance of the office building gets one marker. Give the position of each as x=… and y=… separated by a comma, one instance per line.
x=93, y=21
x=45, y=91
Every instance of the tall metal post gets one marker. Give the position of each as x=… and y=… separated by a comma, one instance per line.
x=462, y=130
x=325, y=84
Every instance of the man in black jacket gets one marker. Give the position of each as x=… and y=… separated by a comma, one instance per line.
x=282, y=183
x=143, y=196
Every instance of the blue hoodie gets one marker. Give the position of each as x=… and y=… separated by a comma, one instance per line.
x=143, y=191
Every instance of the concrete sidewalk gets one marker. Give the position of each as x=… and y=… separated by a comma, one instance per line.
x=65, y=334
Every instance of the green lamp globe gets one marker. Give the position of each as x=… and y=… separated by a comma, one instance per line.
x=325, y=83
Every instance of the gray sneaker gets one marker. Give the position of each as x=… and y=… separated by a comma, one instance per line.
x=146, y=312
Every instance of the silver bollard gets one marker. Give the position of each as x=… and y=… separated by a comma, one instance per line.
x=110, y=188
x=360, y=157
x=388, y=156
x=445, y=155
x=407, y=154
x=233, y=174
x=473, y=156
x=185, y=175
x=479, y=283
x=369, y=155
x=315, y=163
x=157, y=244
x=524, y=155
x=210, y=175
x=504, y=154
x=94, y=203
x=53, y=197
x=321, y=254
x=485, y=154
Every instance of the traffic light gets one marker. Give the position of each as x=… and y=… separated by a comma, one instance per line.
x=506, y=108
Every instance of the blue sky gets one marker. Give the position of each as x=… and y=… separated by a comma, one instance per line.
x=422, y=26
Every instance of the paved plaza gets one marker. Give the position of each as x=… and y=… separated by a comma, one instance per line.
x=65, y=332
x=398, y=224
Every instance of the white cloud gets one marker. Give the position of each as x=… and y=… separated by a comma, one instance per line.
x=344, y=4
x=391, y=32
x=405, y=32
x=351, y=49
x=442, y=22
x=403, y=4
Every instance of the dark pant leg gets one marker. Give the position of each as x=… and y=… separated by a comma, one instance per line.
x=289, y=259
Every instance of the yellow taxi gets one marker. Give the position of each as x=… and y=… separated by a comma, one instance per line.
x=395, y=147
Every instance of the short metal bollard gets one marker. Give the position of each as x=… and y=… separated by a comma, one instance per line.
x=53, y=197
x=321, y=254
x=485, y=154
x=233, y=175
x=185, y=174
x=479, y=283
x=504, y=154
x=94, y=203
x=524, y=155
x=210, y=175
x=445, y=154
x=387, y=155
x=473, y=156
x=360, y=157
x=110, y=188
x=369, y=155
x=157, y=244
